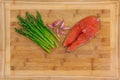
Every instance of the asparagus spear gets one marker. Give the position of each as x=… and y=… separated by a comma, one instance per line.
x=34, y=22
x=33, y=39
x=39, y=18
x=25, y=27
x=33, y=29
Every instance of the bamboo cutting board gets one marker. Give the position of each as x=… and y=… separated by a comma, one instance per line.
x=97, y=58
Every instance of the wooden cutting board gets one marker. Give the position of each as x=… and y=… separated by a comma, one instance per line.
x=97, y=58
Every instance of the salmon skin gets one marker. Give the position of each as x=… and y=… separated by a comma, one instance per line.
x=82, y=32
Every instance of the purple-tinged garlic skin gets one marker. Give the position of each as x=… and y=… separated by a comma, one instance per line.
x=56, y=23
x=62, y=24
x=59, y=27
x=66, y=28
x=58, y=32
x=50, y=26
x=62, y=32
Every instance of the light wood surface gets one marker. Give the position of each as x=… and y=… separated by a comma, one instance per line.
x=1, y=42
x=33, y=62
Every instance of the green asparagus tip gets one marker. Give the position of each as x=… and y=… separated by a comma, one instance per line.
x=34, y=27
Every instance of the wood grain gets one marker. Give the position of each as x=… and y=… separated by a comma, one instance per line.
x=1, y=55
x=35, y=58
x=90, y=66
x=1, y=41
x=57, y=56
x=59, y=0
x=60, y=78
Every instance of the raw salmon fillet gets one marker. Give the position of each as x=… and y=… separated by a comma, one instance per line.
x=82, y=32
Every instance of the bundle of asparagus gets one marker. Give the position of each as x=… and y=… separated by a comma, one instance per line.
x=35, y=29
